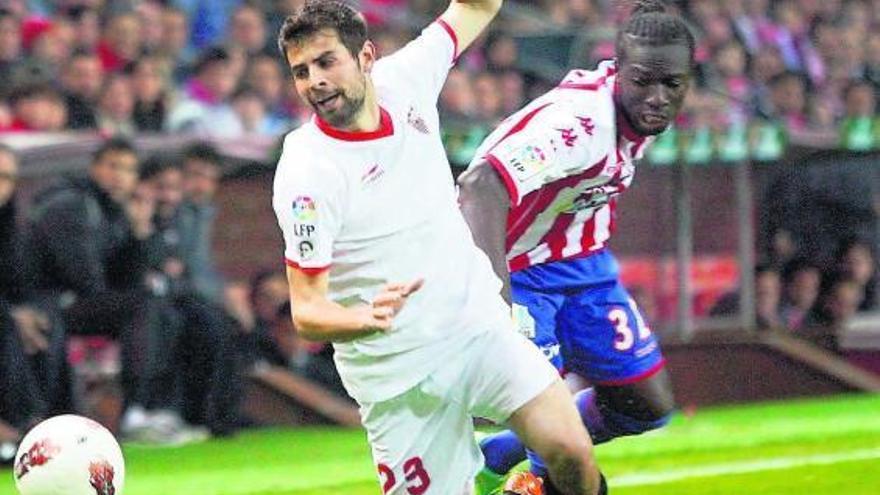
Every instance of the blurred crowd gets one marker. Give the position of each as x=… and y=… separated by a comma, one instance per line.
x=130, y=66
x=122, y=255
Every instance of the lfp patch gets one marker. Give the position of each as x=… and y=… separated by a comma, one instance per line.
x=304, y=209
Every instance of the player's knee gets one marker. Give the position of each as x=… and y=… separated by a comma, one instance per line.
x=570, y=453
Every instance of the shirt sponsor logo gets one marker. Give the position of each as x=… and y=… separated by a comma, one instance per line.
x=304, y=209
x=529, y=162
x=372, y=174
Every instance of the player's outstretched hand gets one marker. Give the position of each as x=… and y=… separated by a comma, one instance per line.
x=390, y=301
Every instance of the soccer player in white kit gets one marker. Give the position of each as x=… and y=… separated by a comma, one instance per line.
x=382, y=264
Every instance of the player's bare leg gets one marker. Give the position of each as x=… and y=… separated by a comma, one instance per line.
x=551, y=427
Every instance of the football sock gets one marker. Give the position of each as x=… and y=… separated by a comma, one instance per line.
x=502, y=451
x=605, y=424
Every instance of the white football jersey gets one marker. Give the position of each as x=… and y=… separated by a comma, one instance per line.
x=380, y=207
x=564, y=158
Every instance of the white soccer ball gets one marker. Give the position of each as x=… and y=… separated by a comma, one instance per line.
x=69, y=455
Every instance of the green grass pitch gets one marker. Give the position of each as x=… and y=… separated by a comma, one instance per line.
x=817, y=447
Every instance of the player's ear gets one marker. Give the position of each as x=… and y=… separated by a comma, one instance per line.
x=367, y=56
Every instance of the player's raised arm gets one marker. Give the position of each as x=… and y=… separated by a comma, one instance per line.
x=485, y=204
x=468, y=18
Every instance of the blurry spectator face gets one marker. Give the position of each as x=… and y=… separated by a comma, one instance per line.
x=768, y=292
x=168, y=191
x=55, y=44
x=458, y=93
x=718, y=31
x=822, y=112
x=146, y=80
x=83, y=76
x=756, y=8
x=788, y=95
x=269, y=295
x=175, y=32
x=123, y=35
x=858, y=262
x=652, y=85
x=767, y=64
x=248, y=29
x=329, y=78
x=149, y=15
x=872, y=54
x=10, y=38
x=41, y=111
x=731, y=60
x=388, y=42
x=502, y=53
x=117, y=98
x=512, y=91
x=842, y=301
x=266, y=78
x=8, y=176
x=803, y=289
x=861, y=101
x=488, y=96
x=116, y=173
x=201, y=179
x=218, y=79
x=790, y=16
x=87, y=29
x=250, y=109
x=583, y=12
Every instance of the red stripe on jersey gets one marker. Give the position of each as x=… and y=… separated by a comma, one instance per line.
x=505, y=176
x=637, y=146
x=521, y=124
x=523, y=215
x=588, y=237
x=612, y=225
x=445, y=25
x=520, y=262
x=556, y=238
x=308, y=271
x=590, y=86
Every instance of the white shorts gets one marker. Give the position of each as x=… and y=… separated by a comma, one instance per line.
x=423, y=440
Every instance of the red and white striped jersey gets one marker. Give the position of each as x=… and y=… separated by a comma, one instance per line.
x=564, y=158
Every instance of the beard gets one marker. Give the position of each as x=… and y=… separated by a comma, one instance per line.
x=345, y=111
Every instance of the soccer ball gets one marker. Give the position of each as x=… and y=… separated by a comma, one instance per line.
x=69, y=455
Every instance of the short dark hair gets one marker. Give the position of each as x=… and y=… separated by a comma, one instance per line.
x=651, y=24
x=203, y=151
x=114, y=144
x=157, y=164
x=211, y=56
x=318, y=15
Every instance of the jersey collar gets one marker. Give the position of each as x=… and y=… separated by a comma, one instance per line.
x=386, y=128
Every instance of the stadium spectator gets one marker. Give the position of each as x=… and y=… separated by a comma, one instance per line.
x=855, y=259
x=202, y=168
x=150, y=93
x=86, y=25
x=768, y=296
x=81, y=81
x=205, y=364
x=268, y=294
x=24, y=332
x=801, y=281
x=120, y=42
x=265, y=76
x=788, y=100
x=88, y=239
x=204, y=107
x=838, y=302
x=10, y=42
x=247, y=29
x=35, y=108
x=174, y=45
x=115, y=112
x=149, y=15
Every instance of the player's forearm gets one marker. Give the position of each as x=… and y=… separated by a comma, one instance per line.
x=468, y=18
x=327, y=321
x=485, y=205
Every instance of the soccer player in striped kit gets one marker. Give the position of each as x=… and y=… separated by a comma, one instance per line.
x=540, y=197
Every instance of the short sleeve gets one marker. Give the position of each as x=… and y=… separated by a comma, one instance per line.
x=308, y=209
x=547, y=144
x=422, y=65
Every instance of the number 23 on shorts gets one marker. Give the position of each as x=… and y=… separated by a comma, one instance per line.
x=417, y=478
x=625, y=337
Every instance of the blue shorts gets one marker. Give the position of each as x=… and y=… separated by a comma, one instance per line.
x=585, y=320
